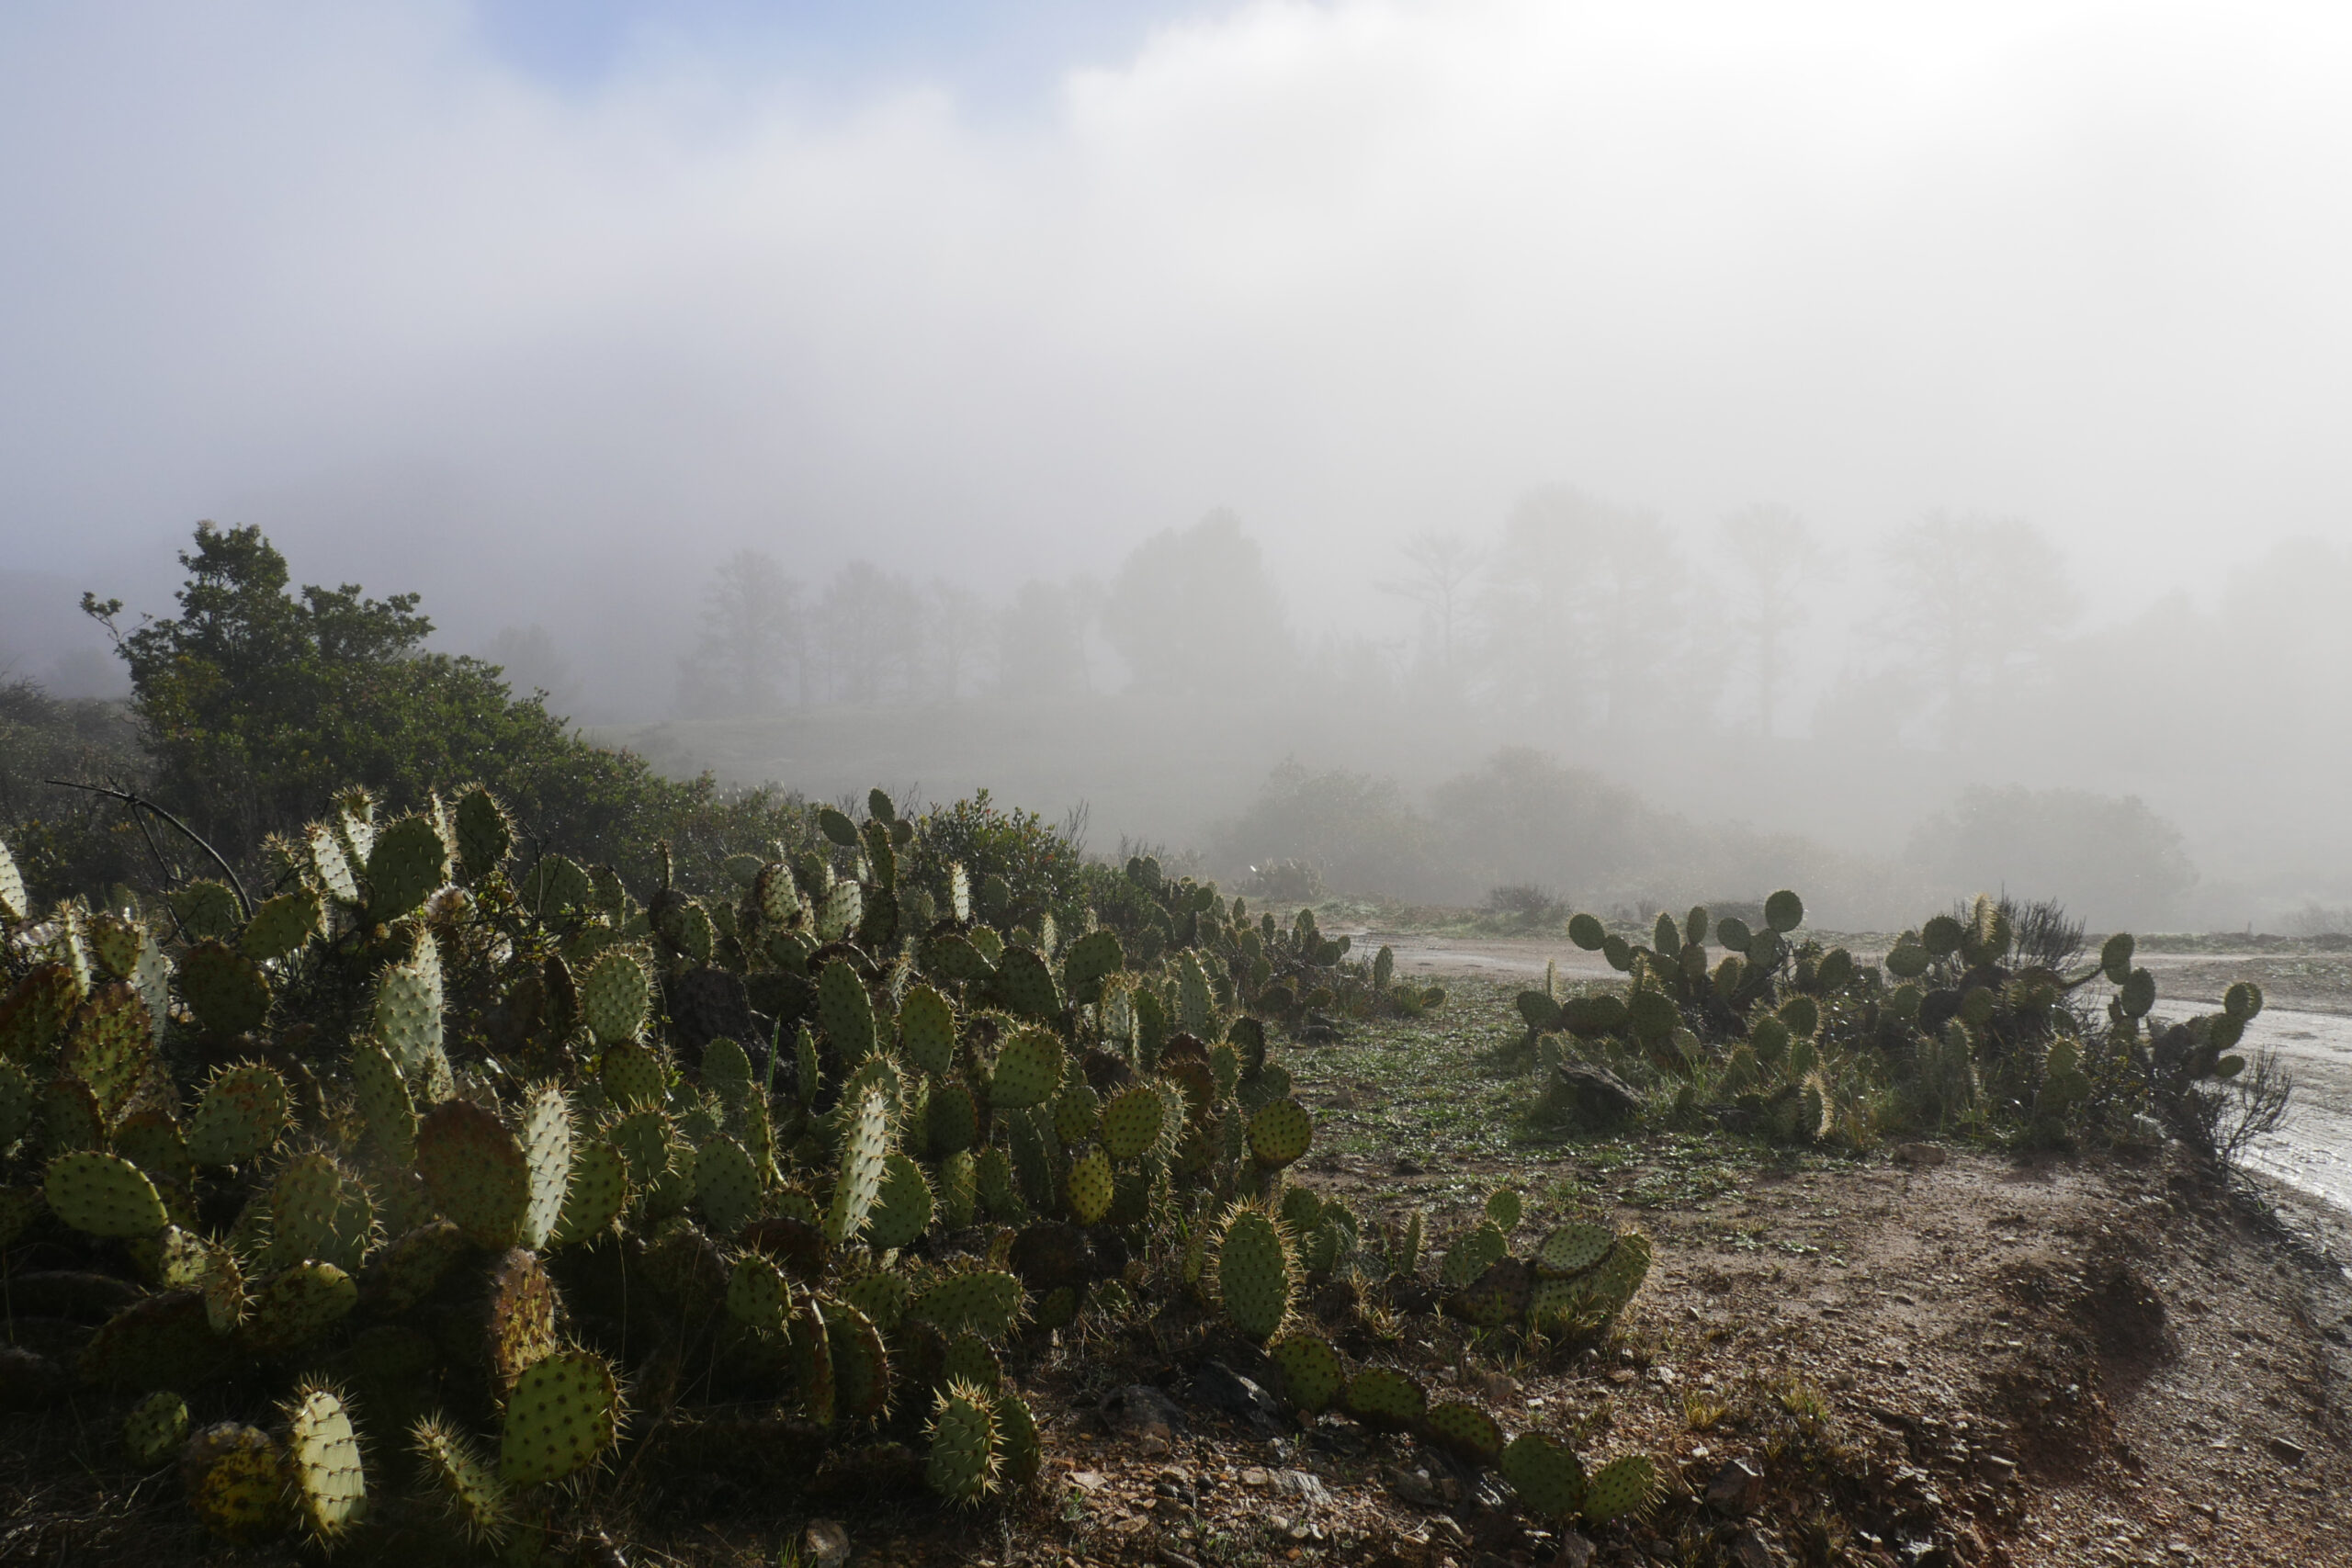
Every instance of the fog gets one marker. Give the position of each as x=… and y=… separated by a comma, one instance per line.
x=1545, y=375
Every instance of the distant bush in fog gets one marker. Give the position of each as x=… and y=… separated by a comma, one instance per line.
x=2114, y=861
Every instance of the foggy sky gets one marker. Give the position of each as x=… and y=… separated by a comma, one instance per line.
x=547, y=344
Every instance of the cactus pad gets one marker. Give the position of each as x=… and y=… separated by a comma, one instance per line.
x=295, y=1305
x=406, y=862
x=1503, y=1210
x=595, y=1196
x=1313, y=1375
x=1028, y=1069
x=1624, y=1485
x=103, y=1194
x=281, y=925
x=985, y=1301
x=1545, y=1475
x=455, y=1470
x=1386, y=1399
x=726, y=1185
x=407, y=1016
x=412, y=1267
x=483, y=834
x=614, y=995
x=109, y=1044
x=1023, y=984
x=1257, y=1272
x=322, y=1452
x=476, y=1173
x=563, y=1412
x=758, y=1296
x=224, y=988
x=1091, y=1187
x=155, y=1429
x=964, y=1441
x=1472, y=1254
x=903, y=1208
x=1280, y=1134
x=1465, y=1431
x=13, y=905
x=237, y=1481
x=1132, y=1122
x=861, y=1364
x=1573, y=1248
x=845, y=1011
x=865, y=1147
x=546, y=1142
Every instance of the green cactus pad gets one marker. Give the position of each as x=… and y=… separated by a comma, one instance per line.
x=455, y=1471
x=810, y=1344
x=36, y=1011
x=407, y=862
x=1078, y=1114
x=631, y=1074
x=951, y=1118
x=1573, y=1248
x=861, y=1363
x=1257, y=1272
x=518, y=1316
x=1028, y=1069
x=155, y=1429
x=281, y=925
x=1091, y=959
x=727, y=1185
x=296, y=1305
x=902, y=1209
x=1024, y=985
x=1545, y=1475
x=927, y=1030
x=1464, y=1430
x=1386, y=1399
x=14, y=903
x=412, y=1266
x=865, y=1147
x=596, y=1194
x=563, y=1412
x=70, y=1116
x=2138, y=994
x=758, y=1296
x=103, y=1195
x=238, y=1481
x=317, y=1208
x=225, y=989
x=207, y=910
x=223, y=1290
x=1503, y=1210
x=845, y=1011
x=1280, y=1134
x=2242, y=1000
x=1091, y=1187
x=1613, y=1283
x=1472, y=1254
x=1625, y=1485
x=385, y=1104
x=322, y=1452
x=985, y=1301
x=960, y=1188
x=407, y=1015
x=484, y=836
x=1132, y=1122
x=963, y=1460
x=727, y=1073
x=615, y=992
x=109, y=1044
x=953, y=960
x=1313, y=1374
x=475, y=1172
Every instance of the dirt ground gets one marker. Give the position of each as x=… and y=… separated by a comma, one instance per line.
x=1929, y=1356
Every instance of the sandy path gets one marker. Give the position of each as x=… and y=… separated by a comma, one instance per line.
x=2313, y=1151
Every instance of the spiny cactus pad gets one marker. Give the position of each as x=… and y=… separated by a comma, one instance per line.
x=1028, y=1069
x=1464, y=1431
x=475, y=1171
x=1280, y=1134
x=614, y=995
x=964, y=1458
x=296, y=1305
x=1573, y=1248
x=1545, y=1475
x=237, y=1481
x=563, y=1412
x=1624, y=1485
x=155, y=1429
x=1388, y=1399
x=103, y=1194
x=322, y=1453
x=224, y=988
x=865, y=1147
x=726, y=1185
x=845, y=1011
x=1132, y=1122
x=861, y=1363
x=902, y=1209
x=1313, y=1374
x=1472, y=1254
x=986, y=1301
x=1257, y=1272
x=455, y=1470
x=1091, y=1187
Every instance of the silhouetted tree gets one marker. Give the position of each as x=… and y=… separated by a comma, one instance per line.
x=1041, y=641
x=1194, y=612
x=871, y=625
x=1440, y=571
x=1772, y=554
x=753, y=650
x=1977, y=601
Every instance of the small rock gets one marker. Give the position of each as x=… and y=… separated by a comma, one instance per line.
x=1087, y=1480
x=1219, y=1387
x=1404, y=1166
x=2287, y=1452
x=1597, y=1096
x=1413, y=1487
x=1733, y=1485
x=1576, y=1550
x=1924, y=1156
x=1748, y=1550
x=1141, y=1411
x=824, y=1544
x=1298, y=1483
